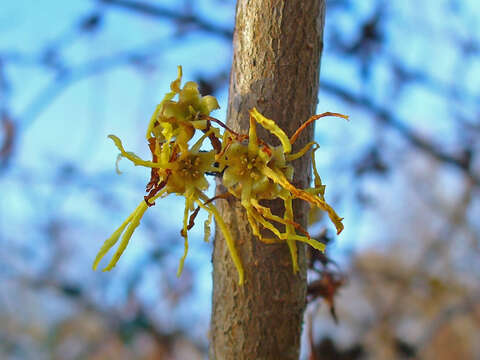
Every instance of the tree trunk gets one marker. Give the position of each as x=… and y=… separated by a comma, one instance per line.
x=277, y=49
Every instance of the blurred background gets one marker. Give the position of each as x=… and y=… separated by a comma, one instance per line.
x=402, y=280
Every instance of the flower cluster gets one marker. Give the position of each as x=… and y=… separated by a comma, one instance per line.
x=250, y=169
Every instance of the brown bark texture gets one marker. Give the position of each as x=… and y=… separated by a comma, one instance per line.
x=276, y=63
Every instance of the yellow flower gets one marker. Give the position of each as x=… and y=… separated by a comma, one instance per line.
x=176, y=167
x=188, y=171
x=250, y=169
x=256, y=171
x=183, y=175
x=179, y=119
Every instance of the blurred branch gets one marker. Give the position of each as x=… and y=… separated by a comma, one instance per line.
x=69, y=76
x=140, y=321
x=385, y=116
x=162, y=12
x=469, y=305
x=9, y=134
x=405, y=75
x=49, y=56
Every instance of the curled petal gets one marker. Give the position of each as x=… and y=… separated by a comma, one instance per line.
x=317, y=181
x=252, y=137
x=208, y=104
x=292, y=246
x=117, y=162
x=280, y=179
x=273, y=128
x=266, y=224
x=175, y=87
x=226, y=234
x=133, y=220
x=185, y=235
x=300, y=153
x=131, y=156
x=112, y=240
x=312, y=242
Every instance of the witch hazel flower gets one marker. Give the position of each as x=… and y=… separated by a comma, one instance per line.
x=249, y=168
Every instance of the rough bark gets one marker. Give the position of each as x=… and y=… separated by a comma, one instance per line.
x=277, y=49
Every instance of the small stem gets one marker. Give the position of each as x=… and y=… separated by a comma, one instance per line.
x=312, y=119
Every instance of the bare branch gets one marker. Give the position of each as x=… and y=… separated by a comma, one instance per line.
x=47, y=95
x=162, y=12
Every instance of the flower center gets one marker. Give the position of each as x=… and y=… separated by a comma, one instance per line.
x=249, y=165
x=189, y=167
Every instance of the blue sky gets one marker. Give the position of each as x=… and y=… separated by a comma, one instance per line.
x=73, y=128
